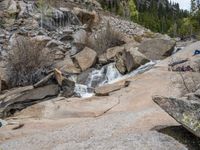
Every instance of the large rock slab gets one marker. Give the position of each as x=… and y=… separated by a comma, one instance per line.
x=185, y=111
x=157, y=49
x=22, y=97
x=86, y=58
x=60, y=107
x=102, y=133
x=107, y=89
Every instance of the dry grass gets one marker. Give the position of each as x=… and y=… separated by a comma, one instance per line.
x=27, y=62
x=138, y=38
x=105, y=39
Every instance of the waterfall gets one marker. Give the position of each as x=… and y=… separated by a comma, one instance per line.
x=176, y=49
x=106, y=75
x=83, y=91
x=112, y=73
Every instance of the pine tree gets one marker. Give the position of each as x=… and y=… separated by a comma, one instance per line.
x=133, y=10
x=193, y=6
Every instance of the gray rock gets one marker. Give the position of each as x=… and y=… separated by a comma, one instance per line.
x=130, y=60
x=157, y=49
x=82, y=77
x=185, y=111
x=76, y=48
x=101, y=133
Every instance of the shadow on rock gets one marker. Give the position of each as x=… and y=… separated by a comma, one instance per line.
x=182, y=135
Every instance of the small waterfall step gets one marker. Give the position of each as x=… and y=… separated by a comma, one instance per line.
x=107, y=75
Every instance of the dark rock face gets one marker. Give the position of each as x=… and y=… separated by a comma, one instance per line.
x=68, y=88
x=185, y=110
x=59, y=18
x=157, y=49
x=82, y=78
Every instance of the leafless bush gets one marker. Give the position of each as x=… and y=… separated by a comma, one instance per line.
x=105, y=39
x=27, y=62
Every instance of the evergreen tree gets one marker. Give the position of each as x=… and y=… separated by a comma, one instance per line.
x=133, y=10
x=193, y=6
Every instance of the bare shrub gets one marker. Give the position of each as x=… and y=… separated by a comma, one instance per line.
x=105, y=39
x=28, y=62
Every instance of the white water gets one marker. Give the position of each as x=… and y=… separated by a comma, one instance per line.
x=107, y=75
x=176, y=49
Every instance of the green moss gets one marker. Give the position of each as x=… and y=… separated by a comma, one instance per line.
x=190, y=122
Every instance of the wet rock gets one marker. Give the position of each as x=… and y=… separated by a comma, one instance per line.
x=3, y=123
x=21, y=98
x=83, y=77
x=109, y=88
x=86, y=58
x=59, y=18
x=68, y=87
x=185, y=111
x=157, y=49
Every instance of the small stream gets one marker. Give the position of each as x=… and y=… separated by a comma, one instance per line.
x=106, y=75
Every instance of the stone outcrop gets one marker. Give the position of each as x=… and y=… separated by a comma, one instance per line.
x=184, y=110
x=157, y=49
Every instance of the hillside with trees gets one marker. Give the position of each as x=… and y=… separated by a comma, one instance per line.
x=161, y=16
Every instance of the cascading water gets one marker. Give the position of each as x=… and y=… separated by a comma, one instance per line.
x=176, y=49
x=106, y=75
